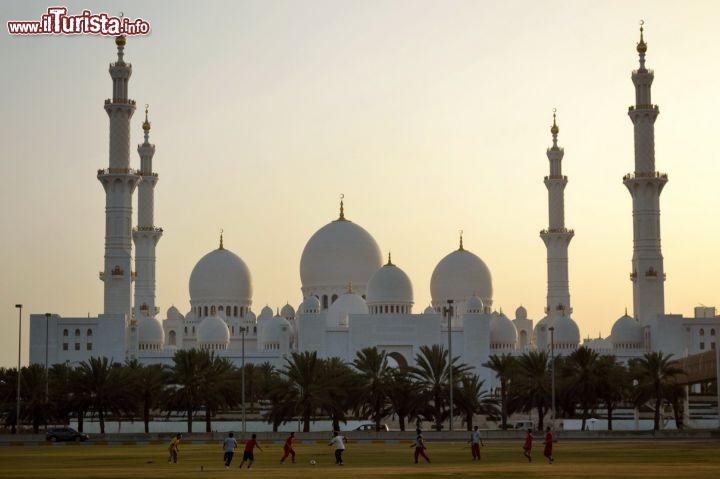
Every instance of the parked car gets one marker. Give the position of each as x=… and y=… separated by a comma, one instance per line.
x=371, y=427
x=55, y=434
x=524, y=425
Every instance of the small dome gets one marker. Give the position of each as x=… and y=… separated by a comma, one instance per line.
x=347, y=304
x=429, y=310
x=277, y=331
x=626, y=331
x=219, y=277
x=502, y=330
x=311, y=305
x=150, y=331
x=474, y=305
x=266, y=313
x=521, y=313
x=460, y=275
x=213, y=330
x=249, y=317
x=566, y=332
x=287, y=311
x=389, y=285
x=174, y=313
x=339, y=252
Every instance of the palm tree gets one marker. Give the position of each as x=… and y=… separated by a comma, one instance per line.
x=432, y=374
x=373, y=398
x=35, y=405
x=305, y=389
x=147, y=384
x=186, y=381
x=98, y=383
x=470, y=398
x=530, y=386
x=612, y=384
x=341, y=386
x=654, y=372
x=579, y=370
x=503, y=366
x=219, y=388
x=404, y=396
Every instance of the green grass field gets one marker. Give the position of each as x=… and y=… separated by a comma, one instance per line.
x=612, y=459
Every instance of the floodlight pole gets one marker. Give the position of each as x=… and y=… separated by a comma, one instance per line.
x=552, y=370
x=448, y=310
x=17, y=410
x=242, y=379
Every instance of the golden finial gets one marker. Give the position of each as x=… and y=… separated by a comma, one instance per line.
x=120, y=40
x=342, y=208
x=461, y=241
x=221, y=239
x=146, y=123
x=389, y=263
x=625, y=310
x=349, y=288
x=554, y=130
x=642, y=46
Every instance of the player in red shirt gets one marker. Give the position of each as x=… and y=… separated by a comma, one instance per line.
x=527, y=446
x=288, y=448
x=248, y=453
x=547, y=452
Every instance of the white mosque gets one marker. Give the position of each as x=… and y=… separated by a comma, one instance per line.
x=353, y=297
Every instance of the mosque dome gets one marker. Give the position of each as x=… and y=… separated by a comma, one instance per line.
x=265, y=314
x=389, y=285
x=502, y=330
x=474, y=305
x=310, y=305
x=521, y=313
x=429, y=310
x=277, y=331
x=222, y=276
x=626, y=331
x=460, y=275
x=347, y=304
x=173, y=313
x=566, y=332
x=249, y=317
x=213, y=331
x=150, y=331
x=287, y=311
x=338, y=253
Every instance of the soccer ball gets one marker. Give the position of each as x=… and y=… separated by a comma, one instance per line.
x=313, y=462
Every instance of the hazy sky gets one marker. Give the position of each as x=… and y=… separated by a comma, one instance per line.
x=429, y=116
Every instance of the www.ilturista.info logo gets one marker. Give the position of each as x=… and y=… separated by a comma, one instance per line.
x=57, y=22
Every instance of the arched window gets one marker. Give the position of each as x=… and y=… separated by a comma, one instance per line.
x=334, y=298
x=171, y=338
x=89, y=332
x=65, y=332
x=206, y=311
x=77, y=333
x=712, y=332
x=325, y=301
x=702, y=332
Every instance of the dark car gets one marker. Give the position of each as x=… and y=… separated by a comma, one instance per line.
x=371, y=427
x=55, y=434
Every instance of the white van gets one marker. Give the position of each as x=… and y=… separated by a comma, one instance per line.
x=524, y=425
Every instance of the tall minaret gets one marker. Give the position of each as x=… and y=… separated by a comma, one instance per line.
x=557, y=237
x=146, y=235
x=645, y=186
x=119, y=182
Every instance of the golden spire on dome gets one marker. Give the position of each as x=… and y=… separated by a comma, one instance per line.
x=349, y=288
x=221, y=239
x=146, y=123
x=120, y=40
x=342, y=208
x=554, y=129
x=389, y=263
x=461, y=242
x=641, y=46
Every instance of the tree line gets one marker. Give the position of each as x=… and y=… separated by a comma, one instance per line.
x=200, y=384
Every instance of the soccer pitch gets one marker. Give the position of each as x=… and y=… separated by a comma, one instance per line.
x=581, y=459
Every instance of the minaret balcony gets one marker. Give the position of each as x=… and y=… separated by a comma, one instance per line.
x=556, y=177
x=550, y=231
x=644, y=107
x=117, y=171
x=152, y=229
x=644, y=175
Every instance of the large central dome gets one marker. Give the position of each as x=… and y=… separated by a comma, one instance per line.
x=339, y=253
x=460, y=275
x=221, y=276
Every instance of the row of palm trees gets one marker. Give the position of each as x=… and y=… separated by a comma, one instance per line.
x=308, y=387
x=585, y=382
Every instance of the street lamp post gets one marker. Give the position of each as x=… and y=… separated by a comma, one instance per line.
x=47, y=372
x=242, y=378
x=552, y=372
x=17, y=410
x=448, y=310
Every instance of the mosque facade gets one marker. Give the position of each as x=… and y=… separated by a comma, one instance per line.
x=352, y=296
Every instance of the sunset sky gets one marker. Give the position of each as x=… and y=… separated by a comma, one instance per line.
x=429, y=116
